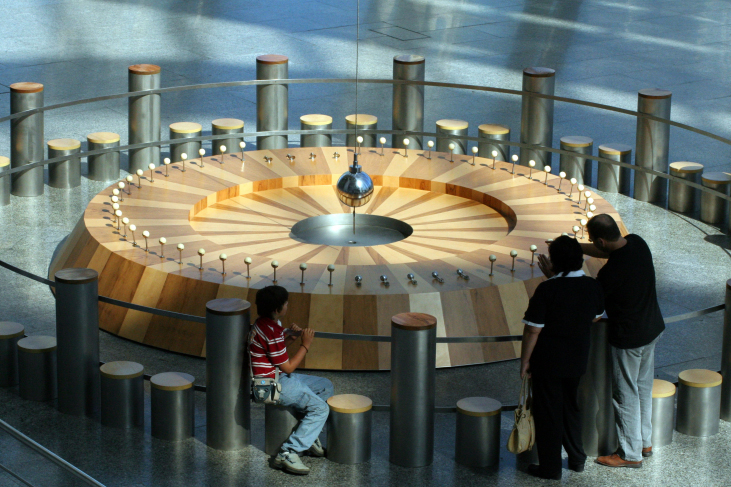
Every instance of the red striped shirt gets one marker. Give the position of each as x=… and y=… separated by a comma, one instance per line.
x=267, y=347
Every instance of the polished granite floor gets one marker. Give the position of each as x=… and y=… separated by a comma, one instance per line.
x=603, y=51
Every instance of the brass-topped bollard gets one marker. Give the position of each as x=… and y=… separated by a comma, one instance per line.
x=272, y=101
x=451, y=132
x=37, y=368
x=10, y=334
x=316, y=122
x=64, y=174
x=682, y=198
x=144, y=115
x=576, y=166
x=172, y=402
x=103, y=167
x=653, y=144
x=123, y=394
x=4, y=181
x=536, y=120
x=184, y=130
x=611, y=178
x=408, y=100
x=495, y=132
x=223, y=126
x=357, y=123
x=26, y=138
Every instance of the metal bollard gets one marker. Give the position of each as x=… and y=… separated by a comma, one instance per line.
x=272, y=101
x=493, y=131
x=611, y=178
x=653, y=142
x=144, y=116
x=37, y=368
x=10, y=334
x=726, y=358
x=713, y=208
x=172, y=406
x=682, y=197
x=699, y=402
x=413, y=365
x=316, y=122
x=360, y=122
x=223, y=126
x=103, y=167
x=123, y=394
x=663, y=412
x=228, y=381
x=536, y=120
x=279, y=423
x=576, y=166
x=408, y=100
x=64, y=174
x=478, y=432
x=4, y=181
x=26, y=138
x=184, y=130
x=598, y=428
x=349, y=429
x=77, y=330
x=451, y=132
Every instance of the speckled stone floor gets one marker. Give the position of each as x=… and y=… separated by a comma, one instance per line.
x=603, y=51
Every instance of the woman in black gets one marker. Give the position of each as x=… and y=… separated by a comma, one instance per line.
x=555, y=353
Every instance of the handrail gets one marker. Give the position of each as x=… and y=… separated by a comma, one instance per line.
x=87, y=479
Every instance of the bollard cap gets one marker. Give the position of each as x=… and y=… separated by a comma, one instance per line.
x=272, y=59
x=4, y=161
x=227, y=306
x=615, y=149
x=76, y=276
x=716, y=178
x=102, y=138
x=172, y=381
x=662, y=388
x=144, y=69
x=316, y=119
x=577, y=141
x=452, y=124
x=63, y=144
x=37, y=344
x=413, y=321
x=409, y=59
x=700, y=378
x=9, y=329
x=350, y=403
x=228, y=123
x=26, y=87
x=654, y=93
x=479, y=406
x=361, y=119
x=121, y=370
x=539, y=72
x=493, y=129
x=686, y=167
x=185, y=127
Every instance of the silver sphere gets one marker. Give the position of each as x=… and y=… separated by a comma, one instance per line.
x=355, y=188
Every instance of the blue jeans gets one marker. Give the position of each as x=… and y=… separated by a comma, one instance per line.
x=307, y=394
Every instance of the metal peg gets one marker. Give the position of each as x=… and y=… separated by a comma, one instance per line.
x=382, y=140
x=275, y=264
x=303, y=268
x=474, y=154
x=247, y=261
x=435, y=275
x=181, y=247
x=493, y=258
x=384, y=280
x=533, y=249
x=531, y=165
x=430, y=145
x=162, y=241
x=358, y=280
x=461, y=274
x=132, y=229
x=411, y=278
x=514, y=159
x=201, y=253
x=146, y=234
x=513, y=254
x=223, y=258
x=331, y=269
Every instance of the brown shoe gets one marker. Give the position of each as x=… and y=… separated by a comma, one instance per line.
x=615, y=460
x=647, y=452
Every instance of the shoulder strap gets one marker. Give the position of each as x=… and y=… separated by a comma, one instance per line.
x=249, y=341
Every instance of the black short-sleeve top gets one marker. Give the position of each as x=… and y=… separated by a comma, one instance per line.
x=564, y=307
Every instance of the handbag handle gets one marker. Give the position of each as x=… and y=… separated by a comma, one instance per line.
x=526, y=398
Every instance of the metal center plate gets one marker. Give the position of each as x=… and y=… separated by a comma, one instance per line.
x=337, y=230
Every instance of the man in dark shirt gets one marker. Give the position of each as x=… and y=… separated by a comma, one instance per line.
x=635, y=326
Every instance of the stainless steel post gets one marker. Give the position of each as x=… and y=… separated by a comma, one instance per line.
x=726, y=358
x=576, y=166
x=123, y=394
x=37, y=368
x=228, y=381
x=494, y=131
x=408, y=100
x=64, y=174
x=536, y=120
x=478, y=432
x=4, y=181
x=682, y=198
x=699, y=402
x=172, y=406
x=103, y=167
x=610, y=178
x=316, y=122
x=77, y=331
x=349, y=429
x=184, y=130
x=144, y=116
x=272, y=101
x=10, y=334
x=223, y=126
x=663, y=412
x=279, y=423
x=713, y=208
x=599, y=432
x=451, y=132
x=413, y=365
x=360, y=122
x=653, y=143
x=26, y=138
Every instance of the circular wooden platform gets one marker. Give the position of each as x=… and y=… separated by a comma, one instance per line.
x=460, y=214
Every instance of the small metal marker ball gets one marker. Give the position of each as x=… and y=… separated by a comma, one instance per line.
x=162, y=241
x=201, y=253
x=531, y=164
x=461, y=274
x=181, y=247
x=494, y=158
x=592, y=208
x=242, y=146
x=115, y=199
x=166, y=163
x=435, y=275
x=406, y=147
x=513, y=254
x=151, y=167
x=493, y=258
x=562, y=176
x=223, y=258
x=382, y=140
x=475, y=150
x=572, y=181
x=115, y=192
x=533, y=249
x=146, y=234
x=183, y=157
x=201, y=153
x=121, y=186
x=358, y=280
x=359, y=140
x=583, y=222
x=313, y=156
x=411, y=278
x=140, y=172
x=451, y=152
x=129, y=180
x=430, y=145
x=331, y=269
x=125, y=222
x=115, y=207
x=580, y=187
x=575, y=229
x=303, y=268
x=589, y=215
x=223, y=153
x=118, y=214
x=275, y=264
x=548, y=170
x=384, y=280
x=514, y=159
x=247, y=261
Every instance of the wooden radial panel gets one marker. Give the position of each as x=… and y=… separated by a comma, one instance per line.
x=460, y=213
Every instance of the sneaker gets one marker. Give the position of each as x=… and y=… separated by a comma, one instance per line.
x=647, y=452
x=290, y=461
x=615, y=460
x=316, y=450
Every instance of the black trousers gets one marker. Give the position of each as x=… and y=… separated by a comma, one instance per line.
x=557, y=421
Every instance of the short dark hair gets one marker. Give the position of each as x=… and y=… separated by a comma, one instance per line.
x=270, y=299
x=603, y=226
x=566, y=255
